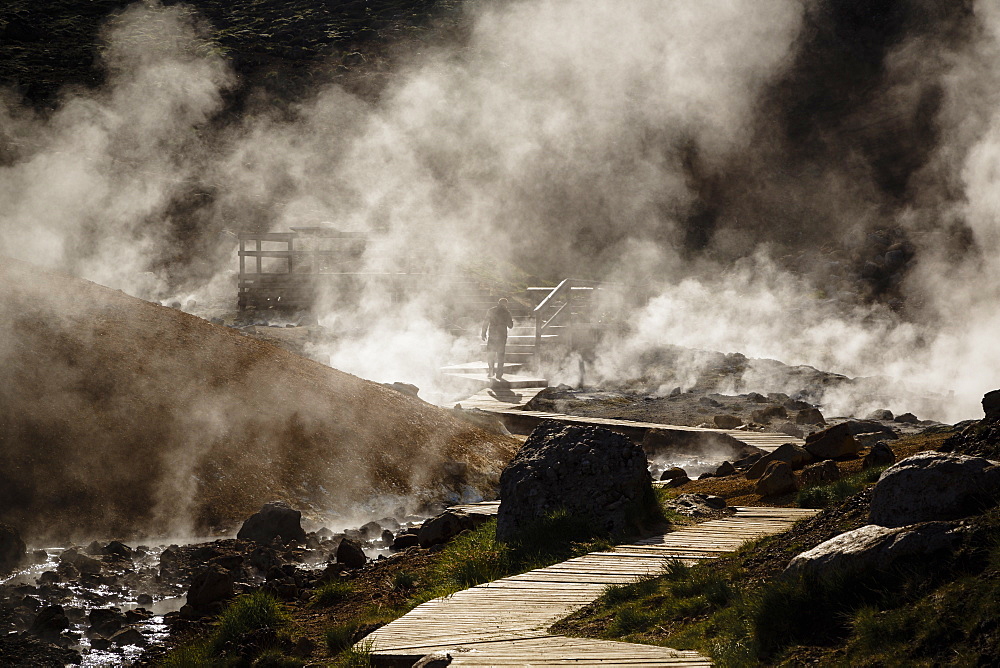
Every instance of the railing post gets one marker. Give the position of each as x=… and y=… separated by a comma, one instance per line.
x=538, y=340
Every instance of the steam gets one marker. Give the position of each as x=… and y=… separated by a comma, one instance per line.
x=752, y=167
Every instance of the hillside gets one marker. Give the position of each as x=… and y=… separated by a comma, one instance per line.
x=267, y=41
x=118, y=416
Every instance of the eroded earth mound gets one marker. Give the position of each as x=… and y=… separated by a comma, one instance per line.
x=119, y=416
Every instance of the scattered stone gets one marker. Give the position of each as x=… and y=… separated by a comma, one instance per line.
x=795, y=455
x=105, y=622
x=778, y=479
x=12, y=549
x=758, y=467
x=263, y=558
x=404, y=540
x=837, y=441
x=674, y=472
x=118, y=550
x=789, y=429
x=766, y=415
x=796, y=405
x=875, y=548
x=590, y=472
x=748, y=461
x=49, y=623
x=907, y=418
x=756, y=398
x=709, y=401
x=727, y=421
x=274, y=520
x=350, y=554
x=211, y=585
x=95, y=549
x=809, y=415
x=821, y=472
x=697, y=505
x=129, y=636
x=932, y=486
x=725, y=469
x=404, y=388
x=445, y=526
x=880, y=414
x=679, y=481
x=880, y=455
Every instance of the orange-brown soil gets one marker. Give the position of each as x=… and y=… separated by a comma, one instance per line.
x=118, y=416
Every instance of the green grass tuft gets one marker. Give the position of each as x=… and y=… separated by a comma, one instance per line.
x=340, y=637
x=331, y=593
x=250, y=623
x=824, y=496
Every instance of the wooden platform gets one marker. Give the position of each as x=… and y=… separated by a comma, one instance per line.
x=505, y=402
x=505, y=622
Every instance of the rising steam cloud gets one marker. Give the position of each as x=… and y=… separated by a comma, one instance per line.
x=751, y=165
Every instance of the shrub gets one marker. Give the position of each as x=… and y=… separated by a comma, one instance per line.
x=403, y=580
x=331, y=593
x=356, y=657
x=340, y=637
x=250, y=623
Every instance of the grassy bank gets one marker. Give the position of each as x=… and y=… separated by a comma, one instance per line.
x=259, y=630
x=939, y=610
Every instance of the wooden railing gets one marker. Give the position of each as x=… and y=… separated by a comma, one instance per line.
x=562, y=291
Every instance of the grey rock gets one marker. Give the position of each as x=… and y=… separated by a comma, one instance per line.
x=821, y=472
x=795, y=455
x=209, y=586
x=724, y=469
x=789, y=429
x=679, y=481
x=674, y=472
x=880, y=414
x=590, y=472
x=12, y=549
x=404, y=388
x=991, y=405
x=443, y=527
x=438, y=659
x=768, y=414
x=880, y=455
x=874, y=548
x=350, y=553
x=758, y=467
x=727, y=421
x=274, y=520
x=778, y=479
x=932, y=486
x=809, y=416
x=907, y=418
x=404, y=540
x=129, y=636
x=837, y=441
x=49, y=623
x=697, y=505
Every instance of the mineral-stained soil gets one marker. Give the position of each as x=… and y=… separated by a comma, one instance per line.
x=119, y=417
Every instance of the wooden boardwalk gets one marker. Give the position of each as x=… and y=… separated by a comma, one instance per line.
x=505, y=403
x=505, y=622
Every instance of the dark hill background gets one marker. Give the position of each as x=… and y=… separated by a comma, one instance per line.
x=284, y=46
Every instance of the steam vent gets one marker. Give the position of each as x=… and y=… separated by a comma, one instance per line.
x=499, y=333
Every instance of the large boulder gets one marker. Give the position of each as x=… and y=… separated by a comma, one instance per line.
x=873, y=548
x=934, y=486
x=274, y=520
x=832, y=443
x=727, y=421
x=795, y=455
x=880, y=455
x=991, y=405
x=810, y=416
x=590, y=472
x=445, y=526
x=12, y=549
x=778, y=478
x=351, y=554
x=210, y=586
x=821, y=472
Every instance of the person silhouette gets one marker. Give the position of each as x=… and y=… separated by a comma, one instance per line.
x=498, y=321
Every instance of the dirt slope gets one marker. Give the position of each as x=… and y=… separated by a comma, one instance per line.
x=118, y=415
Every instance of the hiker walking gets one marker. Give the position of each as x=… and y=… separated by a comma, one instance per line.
x=495, y=327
